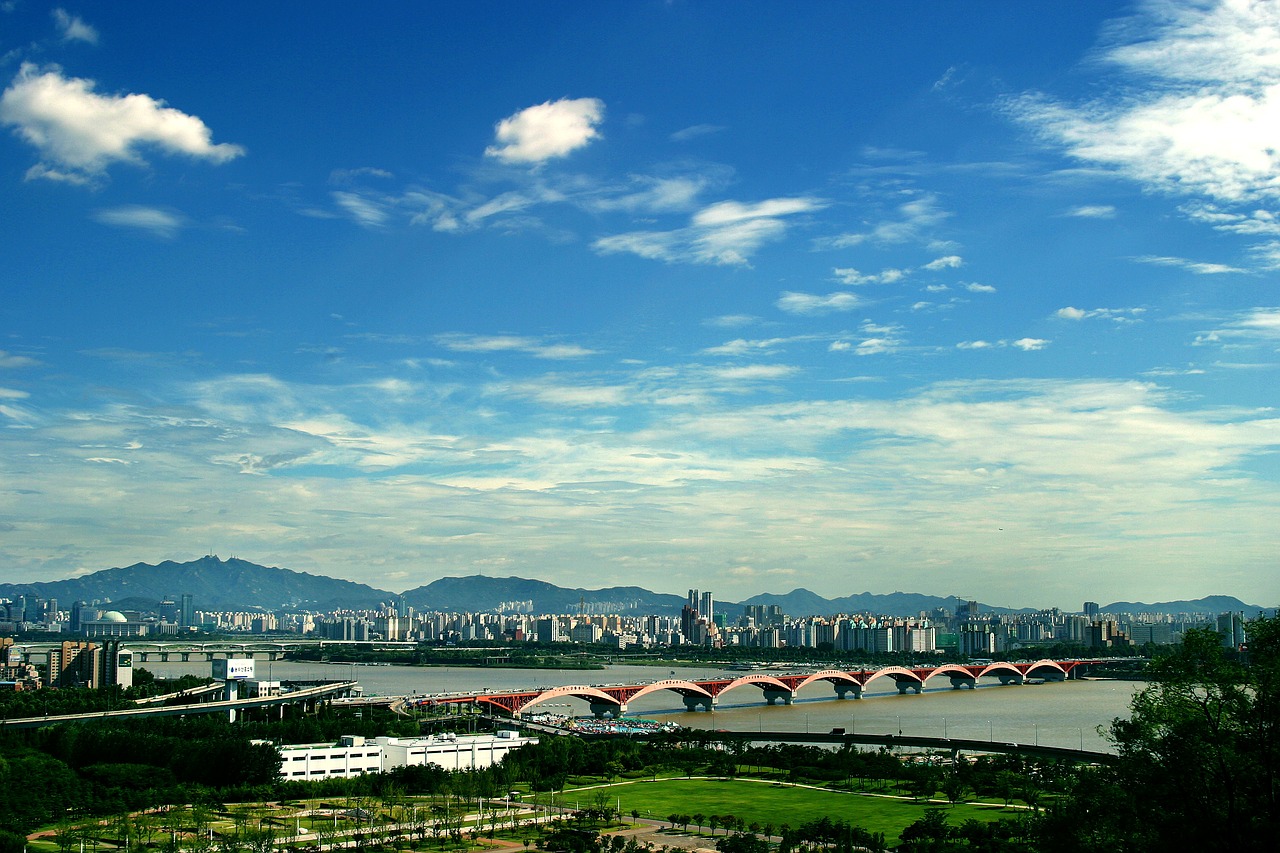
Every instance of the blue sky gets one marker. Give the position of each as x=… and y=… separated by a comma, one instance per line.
x=973, y=299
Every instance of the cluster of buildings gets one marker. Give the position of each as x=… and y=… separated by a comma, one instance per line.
x=353, y=755
x=967, y=631
x=73, y=663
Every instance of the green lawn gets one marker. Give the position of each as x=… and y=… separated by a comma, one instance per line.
x=778, y=804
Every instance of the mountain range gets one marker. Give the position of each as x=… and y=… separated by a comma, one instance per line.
x=236, y=584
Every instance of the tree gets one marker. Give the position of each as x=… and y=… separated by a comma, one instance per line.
x=1198, y=764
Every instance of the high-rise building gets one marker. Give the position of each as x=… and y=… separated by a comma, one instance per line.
x=186, y=611
x=705, y=608
x=1091, y=610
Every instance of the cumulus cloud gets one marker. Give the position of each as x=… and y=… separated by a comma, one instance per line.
x=945, y=262
x=1204, y=112
x=161, y=223
x=851, y=276
x=813, y=303
x=975, y=287
x=1030, y=344
x=79, y=132
x=547, y=131
x=724, y=233
x=73, y=28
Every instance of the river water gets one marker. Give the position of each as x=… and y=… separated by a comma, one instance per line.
x=1065, y=714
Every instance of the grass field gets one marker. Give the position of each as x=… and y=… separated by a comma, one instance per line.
x=778, y=804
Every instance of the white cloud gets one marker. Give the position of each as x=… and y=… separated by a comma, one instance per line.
x=1197, y=267
x=1204, y=114
x=695, y=131
x=1030, y=344
x=459, y=342
x=364, y=210
x=725, y=233
x=79, y=132
x=73, y=28
x=914, y=220
x=159, y=222
x=657, y=194
x=9, y=360
x=1093, y=211
x=946, y=262
x=754, y=372
x=733, y=320
x=547, y=131
x=974, y=287
x=1255, y=326
x=851, y=276
x=1118, y=315
x=812, y=303
x=974, y=345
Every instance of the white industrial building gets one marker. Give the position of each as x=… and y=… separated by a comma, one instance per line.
x=353, y=755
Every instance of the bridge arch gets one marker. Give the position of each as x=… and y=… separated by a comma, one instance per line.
x=773, y=688
x=1050, y=670
x=676, y=685
x=1007, y=673
x=905, y=679
x=843, y=682
x=601, y=703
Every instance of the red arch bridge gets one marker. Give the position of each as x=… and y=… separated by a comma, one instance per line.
x=612, y=699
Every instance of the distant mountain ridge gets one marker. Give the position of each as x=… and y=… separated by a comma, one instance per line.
x=215, y=584
x=1210, y=604
x=236, y=584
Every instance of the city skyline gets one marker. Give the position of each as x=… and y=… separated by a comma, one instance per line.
x=838, y=297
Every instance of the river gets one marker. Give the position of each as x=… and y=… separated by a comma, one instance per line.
x=1065, y=714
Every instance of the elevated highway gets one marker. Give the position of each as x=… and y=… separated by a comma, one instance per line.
x=308, y=697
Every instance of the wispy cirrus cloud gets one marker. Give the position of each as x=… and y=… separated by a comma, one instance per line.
x=459, y=342
x=12, y=361
x=1248, y=328
x=725, y=233
x=915, y=221
x=80, y=133
x=161, y=223
x=1197, y=267
x=73, y=27
x=1092, y=211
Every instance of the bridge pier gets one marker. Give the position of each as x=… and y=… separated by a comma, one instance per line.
x=164, y=657
x=842, y=690
x=772, y=696
x=1054, y=675
x=142, y=657
x=1011, y=679
x=959, y=681
x=905, y=687
x=600, y=709
x=692, y=703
